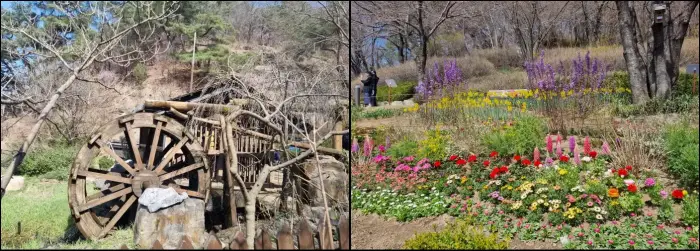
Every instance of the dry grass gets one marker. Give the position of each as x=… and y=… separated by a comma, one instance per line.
x=482, y=65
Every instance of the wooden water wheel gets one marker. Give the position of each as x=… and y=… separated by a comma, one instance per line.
x=143, y=160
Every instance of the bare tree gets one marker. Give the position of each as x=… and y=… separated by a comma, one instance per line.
x=532, y=24
x=101, y=40
x=652, y=54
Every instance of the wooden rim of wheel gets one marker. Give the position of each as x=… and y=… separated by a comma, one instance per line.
x=156, y=168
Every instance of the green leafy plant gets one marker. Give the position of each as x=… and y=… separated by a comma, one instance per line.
x=690, y=210
x=57, y=158
x=435, y=146
x=140, y=73
x=632, y=203
x=520, y=138
x=681, y=143
x=457, y=236
x=402, y=149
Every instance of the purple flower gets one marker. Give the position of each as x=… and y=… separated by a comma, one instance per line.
x=500, y=198
x=548, y=161
x=649, y=182
x=572, y=144
x=355, y=147
x=663, y=194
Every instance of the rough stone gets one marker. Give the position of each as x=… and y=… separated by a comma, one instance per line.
x=16, y=183
x=169, y=225
x=397, y=103
x=335, y=180
x=156, y=198
x=408, y=102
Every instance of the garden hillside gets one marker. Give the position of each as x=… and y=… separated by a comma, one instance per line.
x=508, y=144
x=69, y=69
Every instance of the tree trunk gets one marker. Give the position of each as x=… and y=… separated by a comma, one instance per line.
x=633, y=60
x=19, y=157
x=250, y=221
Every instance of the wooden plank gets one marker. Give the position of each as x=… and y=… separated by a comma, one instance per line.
x=104, y=199
x=170, y=155
x=95, y=174
x=154, y=144
x=344, y=234
x=305, y=237
x=118, y=216
x=266, y=243
x=134, y=147
x=284, y=238
x=239, y=242
x=180, y=171
x=105, y=149
x=102, y=192
x=325, y=234
x=186, y=243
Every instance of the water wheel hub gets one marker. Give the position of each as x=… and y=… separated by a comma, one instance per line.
x=144, y=179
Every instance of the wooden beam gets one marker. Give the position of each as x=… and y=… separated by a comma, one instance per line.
x=188, y=106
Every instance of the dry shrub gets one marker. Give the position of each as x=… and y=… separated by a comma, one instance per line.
x=689, y=52
x=499, y=81
x=637, y=146
x=501, y=58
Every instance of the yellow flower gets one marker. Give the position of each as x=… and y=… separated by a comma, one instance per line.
x=685, y=192
x=563, y=171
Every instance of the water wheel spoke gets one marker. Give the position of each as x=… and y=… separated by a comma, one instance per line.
x=105, y=192
x=169, y=156
x=100, y=174
x=190, y=192
x=115, y=156
x=134, y=145
x=154, y=144
x=118, y=216
x=104, y=199
x=180, y=171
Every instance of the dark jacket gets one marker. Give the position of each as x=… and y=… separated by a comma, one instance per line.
x=371, y=82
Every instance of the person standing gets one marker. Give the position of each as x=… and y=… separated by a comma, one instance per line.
x=370, y=89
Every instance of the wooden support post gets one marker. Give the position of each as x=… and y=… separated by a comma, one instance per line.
x=194, y=48
x=338, y=139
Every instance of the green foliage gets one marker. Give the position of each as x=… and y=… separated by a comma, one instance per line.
x=404, y=90
x=375, y=114
x=681, y=144
x=140, y=73
x=666, y=210
x=460, y=235
x=632, y=203
x=403, y=207
x=520, y=138
x=104, y=163
x=43, y=161
x=402, y=149
x=690, y=210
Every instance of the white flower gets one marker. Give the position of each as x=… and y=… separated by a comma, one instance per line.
x=540, y=201
x=523, y=196
x=629, y=182
x=498, y=182
x=607, y=173
x=598, y=216
x=586, y=159
x=449, y=182
x=596, y=209
x=433, y=188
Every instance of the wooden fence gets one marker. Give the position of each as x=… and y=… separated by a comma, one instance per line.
x=305, y=239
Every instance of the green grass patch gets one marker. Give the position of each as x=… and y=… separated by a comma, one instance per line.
x=357, y=113
x=42, y=208
x=404, y=90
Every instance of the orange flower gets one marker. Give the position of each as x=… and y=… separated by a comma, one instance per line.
x=613, y=193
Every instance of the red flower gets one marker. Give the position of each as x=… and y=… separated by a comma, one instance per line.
x=592, y=154
x=472, y=158
x=677, y=194
x=622, y=172
x=564, y=158
x=461, y=162
x=486, y=163
x=517, y=158
x=493, y=175
x=503, y=169
x=632, y=188
x=453, y=157
x=537, y=162
x=437, y=163
x=628, y=168
x=493, y=154
x=526, y=162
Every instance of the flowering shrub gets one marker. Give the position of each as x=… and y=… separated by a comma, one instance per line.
x=435, y=83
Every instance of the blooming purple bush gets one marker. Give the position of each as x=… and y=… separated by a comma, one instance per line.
x=584, y=74
x=434, y=82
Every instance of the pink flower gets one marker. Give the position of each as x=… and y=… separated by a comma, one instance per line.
x=631, y=242
x=674, y=240
x=580, y=234
x=382, y=148
x=606, y=148
x=536, y=154
x=597, y=230
x=586, y=145
x=610, y=242
x=577, y=157
x=408, y=159
x=650, y=242
x=559, y=152
x=549, y=144
x=649, y=182
x=590, y=243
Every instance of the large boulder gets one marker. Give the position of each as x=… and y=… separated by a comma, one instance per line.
x=170, y=225
x=335, y=181
x=16, y=183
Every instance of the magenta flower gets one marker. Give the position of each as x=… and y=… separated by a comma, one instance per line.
x=586, y=145
x=536, y=154
x=606, y=148
x=572, y=144
x=650, y=242
x=548, y=161
x=631, y=242
x=549, y=143
x=368, y=147
x=663, y=194
x=577, y=157
x=559, y=151
x=649, y=182
x=382, y=148
x=408, y=159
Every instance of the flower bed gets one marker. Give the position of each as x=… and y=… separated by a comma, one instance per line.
x=534, y=196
